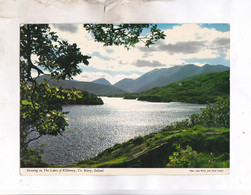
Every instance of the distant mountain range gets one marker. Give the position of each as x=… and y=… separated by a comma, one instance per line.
x=164, y=76
x=97, y=89
x=102, y=81
x=149, y=80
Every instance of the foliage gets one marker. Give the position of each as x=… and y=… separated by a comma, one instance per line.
x=130, y=96
x=41, y=104
x=41, y=109
x=124, y=34
x=73, y=96
x=40, y=49
x=214, y=115
x=31, y=158
x=188, y=157
x=197, y=89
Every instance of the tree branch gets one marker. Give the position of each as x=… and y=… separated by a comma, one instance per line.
x=30, y=64
x=25, y=144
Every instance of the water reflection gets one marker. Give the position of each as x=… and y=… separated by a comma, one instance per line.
x=95, y=128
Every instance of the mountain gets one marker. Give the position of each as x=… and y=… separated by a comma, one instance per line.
x=201, y=88
x=125, y=84
x=164, y=76
x=102, y=81
x=97, y=89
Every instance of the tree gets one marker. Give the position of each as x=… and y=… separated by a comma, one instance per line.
x=42, y=50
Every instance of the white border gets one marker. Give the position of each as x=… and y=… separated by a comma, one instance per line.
x=235, y=12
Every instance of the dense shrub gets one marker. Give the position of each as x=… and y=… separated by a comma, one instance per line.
x=214, y=115
x=183, y=158
x=31, y=158
x=151, y=98
x=130, y=96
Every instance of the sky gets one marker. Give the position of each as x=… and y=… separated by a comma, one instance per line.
x=197, y=44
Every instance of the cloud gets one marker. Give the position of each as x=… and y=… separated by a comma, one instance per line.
x=109, y=50
x=146, y=55
x=222, y=41
x=144, y=63
x=97, y=54
x=183, y=47
x=152, y=48
x=73, y=28
x=188, y=41
x=221, y=44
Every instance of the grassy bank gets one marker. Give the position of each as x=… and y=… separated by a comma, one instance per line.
x=155, y=150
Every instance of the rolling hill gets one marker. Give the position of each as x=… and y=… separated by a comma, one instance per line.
x=97, y=89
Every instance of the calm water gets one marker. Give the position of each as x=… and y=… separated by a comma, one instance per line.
x=95, y=128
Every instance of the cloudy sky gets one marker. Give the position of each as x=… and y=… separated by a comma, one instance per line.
x=198, y=44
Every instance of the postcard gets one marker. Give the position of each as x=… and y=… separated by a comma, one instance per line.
x=124, y=99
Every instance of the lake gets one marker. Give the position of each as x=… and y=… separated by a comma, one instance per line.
x=95, y=128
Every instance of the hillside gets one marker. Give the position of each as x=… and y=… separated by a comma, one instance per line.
x=164, y=76
x=97, y=89
x=102, y=81
x=197, y=89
